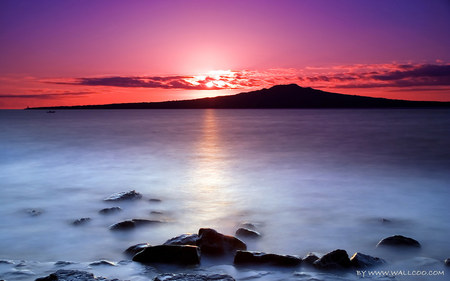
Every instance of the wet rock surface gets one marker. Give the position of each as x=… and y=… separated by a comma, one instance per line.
x=108, y=211
x=131, y=224
x=133, y=250
x=310, y=258
x=126, y=195
x=102, y=262
x=81, y=221
x=193, y=277
x=169, y=254
x=184, y=239
x=247, y=233
x=259, y=258
x=72, y=275
x=337, y=259
x=447, y=262
x=215, y=243
x=359, y=260
x=399, y=241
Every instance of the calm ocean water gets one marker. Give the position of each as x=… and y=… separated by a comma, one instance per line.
x=310, y=180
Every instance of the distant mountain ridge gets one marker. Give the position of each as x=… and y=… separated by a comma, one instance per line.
x=279, y=96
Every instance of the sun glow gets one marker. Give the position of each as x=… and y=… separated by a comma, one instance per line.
x=215, y=79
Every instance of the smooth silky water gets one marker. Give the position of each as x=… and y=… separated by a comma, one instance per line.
x=310, y=180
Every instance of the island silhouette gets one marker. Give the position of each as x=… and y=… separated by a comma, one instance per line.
x=279, y=96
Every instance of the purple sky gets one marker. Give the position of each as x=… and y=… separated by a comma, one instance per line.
x=90, y=51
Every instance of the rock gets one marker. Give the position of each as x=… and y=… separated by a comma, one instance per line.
x=399, y=240
x=34, y=212
x=336, y=259
x=72, y=275
x=130, y=224
x=133, y=250
x=169, y=254
x=248, y=225
x=310, y=258
x=126, y=195
x=63, y=263
x=258, y=258
x=154, y=200
x=183, y=239
x=359, y=260
x=447, y=262
x=193, y=277
x=102, y=262
x=107, y=211
x=248, y=233
x=215, y=243
x=81, y=221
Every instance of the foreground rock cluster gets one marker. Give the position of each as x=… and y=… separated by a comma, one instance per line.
x=188, y=249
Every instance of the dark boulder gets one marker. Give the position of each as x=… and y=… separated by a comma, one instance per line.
x=107, y=211
x=247, y=233
x=72, y=275
x=258, y=258
x=126, y=195
x=131, y=224
x=400, y=241
x=133, y=250
x=81, y=221
x=193, y=277
x=310, y=258
x=215, y=243
x=336, y=259
x=169, y=254
x=447, y=262
x=183, y=239
x=359, y=260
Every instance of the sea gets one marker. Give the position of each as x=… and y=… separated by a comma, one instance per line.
x=308, y=180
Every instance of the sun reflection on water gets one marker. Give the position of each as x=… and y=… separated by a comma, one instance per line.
x=210, y=175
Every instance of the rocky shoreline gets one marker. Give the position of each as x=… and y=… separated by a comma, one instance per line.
x=187, y=250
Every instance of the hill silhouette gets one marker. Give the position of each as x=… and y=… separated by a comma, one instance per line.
x=280, y=96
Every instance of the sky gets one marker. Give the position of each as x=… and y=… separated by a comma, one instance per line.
x=78, y=52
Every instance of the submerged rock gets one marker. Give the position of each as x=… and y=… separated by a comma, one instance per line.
x=336, y=259
x=102, y=262
x=248, y=225
x=72, y=275
x=107, y=211
x=130, y=224
x=215, y=243
x=399, y=240
x=184, y=239
x=359, y=260
x=81, y=221
x=34, y=212
x=63, y=263
x=258, y=258
x=310, y=258
x=248, y=233
x=126, y=195
x=133, y=250
x=169, y=254
x=193, y=277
